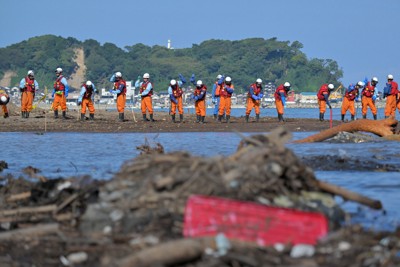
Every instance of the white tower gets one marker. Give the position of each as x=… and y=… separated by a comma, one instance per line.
x=169, y=44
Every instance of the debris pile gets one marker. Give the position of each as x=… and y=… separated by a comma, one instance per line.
x=136, y=219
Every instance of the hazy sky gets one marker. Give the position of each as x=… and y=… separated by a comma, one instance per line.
x=362, y=36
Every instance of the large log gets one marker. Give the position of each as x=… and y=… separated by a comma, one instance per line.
x=382, y=128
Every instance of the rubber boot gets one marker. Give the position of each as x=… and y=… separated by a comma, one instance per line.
x=22, y=114
x=5, y=115
x=375, y=117
x=365, y=116
x=219, y=118
x=145, y=118
x=121, y=116
x=247, y=118
x=64, y=115
x=215, y=116
x=202, y=119
x=228, y=117
x=352, y=117
x=91, y=117
x=180, y=117
x=27, y=114
x=55, y=114
x=173, y=118
x=151, y=118
x=82, y=117
x=257, y=117
x=321, y=116
x=198, y=118
x=342, y=118
x=280, y=118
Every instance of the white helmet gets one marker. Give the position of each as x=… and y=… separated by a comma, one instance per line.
x=3, y=98
x=330, y=86
x=89, y=83
x=173, y=82
x=374, y=79
x=258, y=80
x=228, y=79
x=390, y=77
x=286, y=84
x=118, y=74
x=58, y=70
x=146, y=76
x=219, y=76
x=30, y=73
x=361, y=84
x=199, y=83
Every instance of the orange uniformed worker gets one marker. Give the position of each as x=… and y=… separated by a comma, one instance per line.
x=225, y=89
x=254, y=97
x=368, y=95
x=86, y=99
x=199, y=96
x=280, y=99
x=28, y=86
x=175, y=95
x=60, y=94
x=120, y=90
x=4, y=99
x=146, y=91
x=323, y=99
x=348, y=101
x=390, y=91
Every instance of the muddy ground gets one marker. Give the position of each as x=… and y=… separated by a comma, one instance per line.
x=107, y=121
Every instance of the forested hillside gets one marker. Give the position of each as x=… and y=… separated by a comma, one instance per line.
x=243, y=60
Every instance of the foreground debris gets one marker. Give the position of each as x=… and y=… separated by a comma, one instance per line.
x=136, y=219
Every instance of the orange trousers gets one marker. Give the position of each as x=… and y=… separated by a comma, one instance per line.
x=348, y=104
x=251, y=103
x=368, y=102
x=322, y=106
x=146, y=104
x=178, y=106
x=121, y=101
x=200, y=107
x=60, y=100
x=87, y=103
x=390, y=108
x=224, y=106
x=26, y=101
x=4, y=108
x=279, y=106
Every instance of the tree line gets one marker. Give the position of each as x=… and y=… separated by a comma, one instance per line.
x=244, y=60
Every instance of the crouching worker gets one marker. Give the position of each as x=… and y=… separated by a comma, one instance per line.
x=4, y=99
x=86, y=99
x=199, y=96
x=348, y=101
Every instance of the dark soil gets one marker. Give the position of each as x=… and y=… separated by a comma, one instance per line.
x=107, y=122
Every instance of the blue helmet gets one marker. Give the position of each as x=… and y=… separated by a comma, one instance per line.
x=351, y=87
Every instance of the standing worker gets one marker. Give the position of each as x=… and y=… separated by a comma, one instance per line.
x=60, y=94
x=120, y=90
x=280, y=95
x=175, y=95
x=368, y=95
x=215, y=96
x=254, y=97
x=348, y=101
x=28, y=86
x=390, y=92
x=323, y=99
x=146, y=91
x=225, y=89
x=199, y=96
x=4, y=99
x=86, y=99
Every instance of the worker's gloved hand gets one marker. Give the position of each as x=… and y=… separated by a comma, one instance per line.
x=112, y=91
x=373, y=97
x=254, y=97
x=192, y=79
x=79, y=103
x=139, y=77
x=214, y=101
x=357, y=99
x=52, y=94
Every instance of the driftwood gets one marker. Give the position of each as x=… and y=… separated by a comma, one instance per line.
x=20, y=196
x=382, y=128
x=346, y=194
x=36, y=230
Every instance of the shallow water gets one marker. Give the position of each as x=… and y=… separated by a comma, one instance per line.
x=101, y=154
